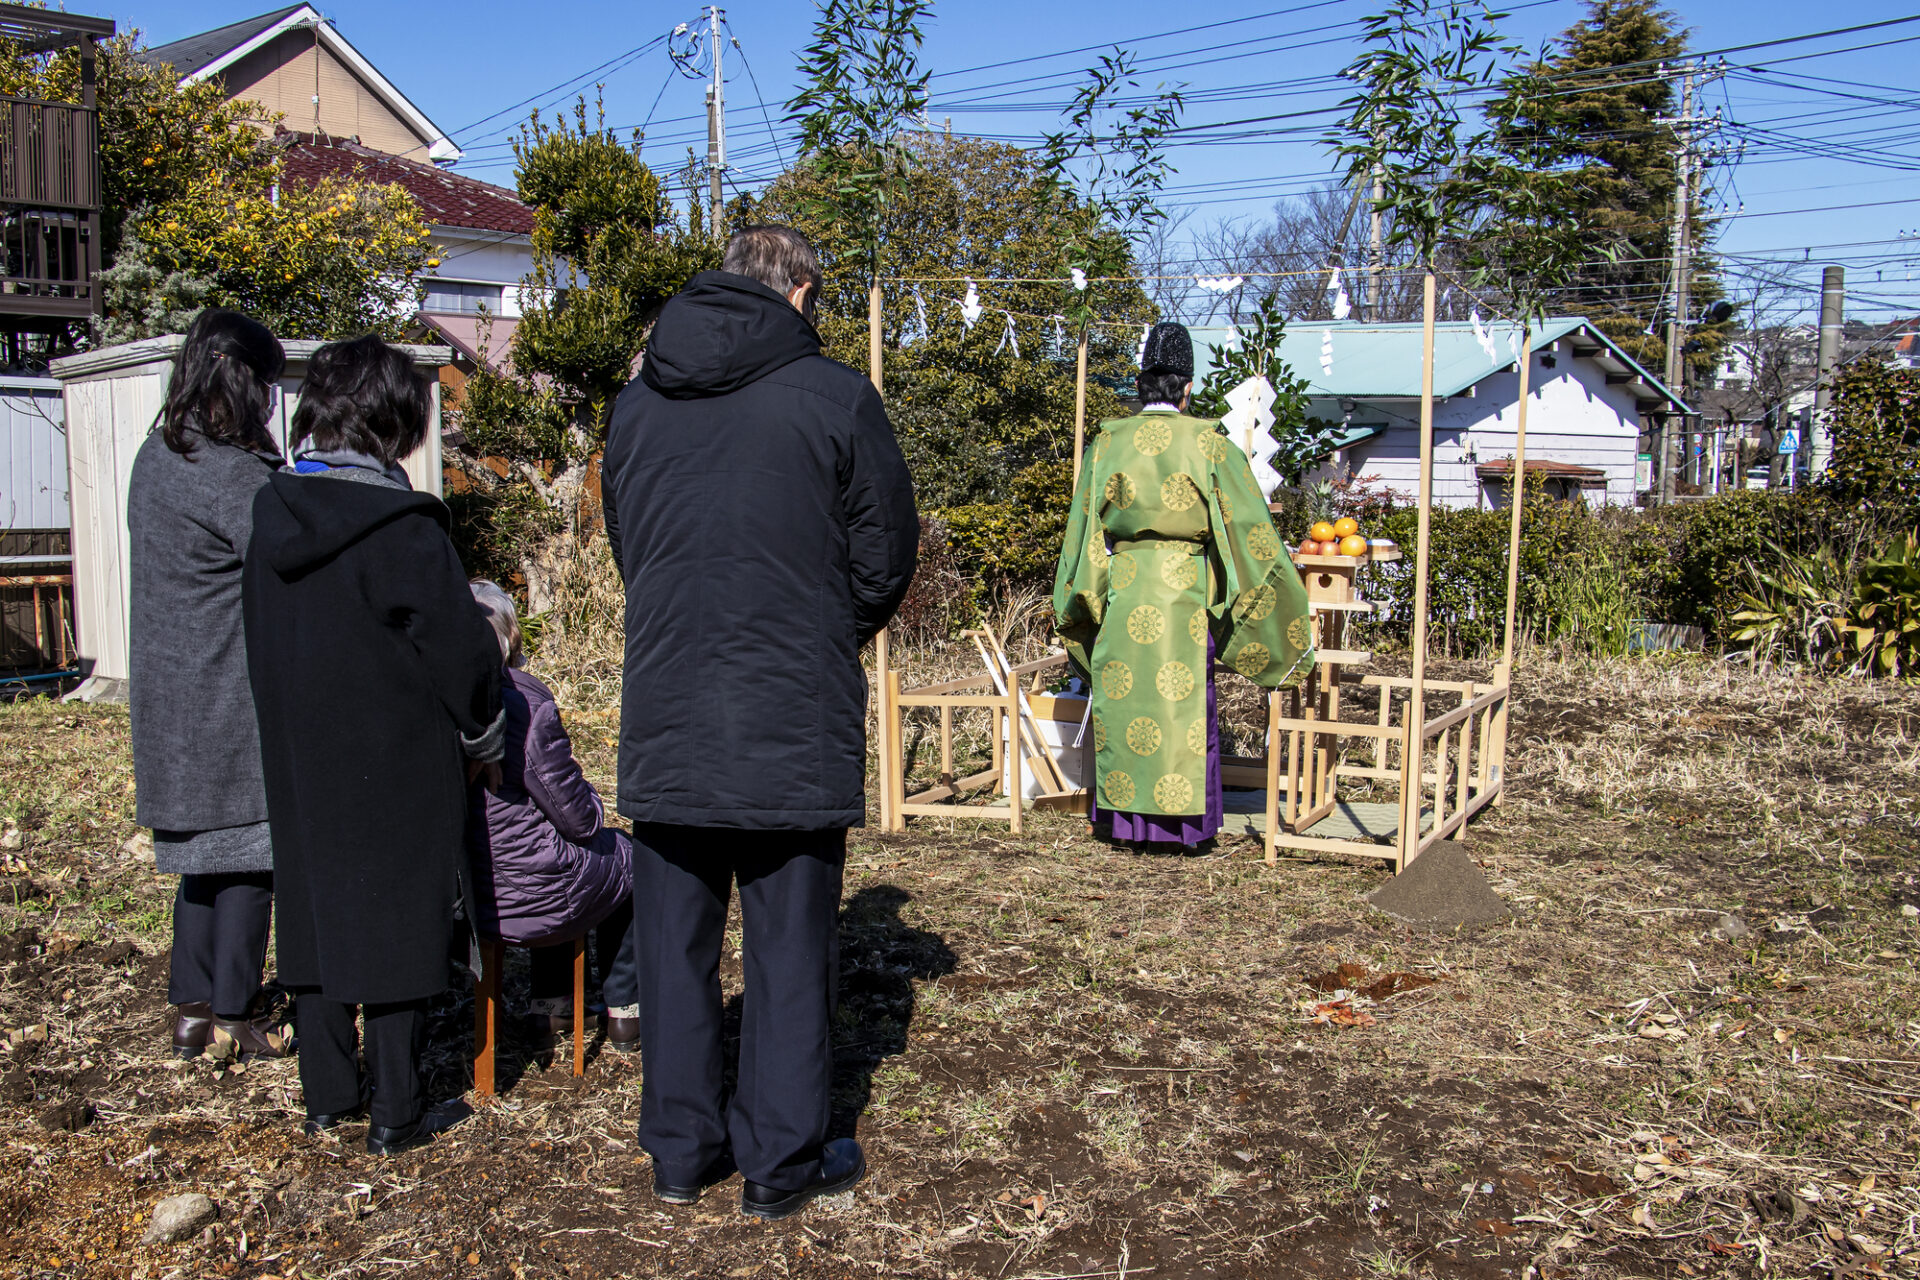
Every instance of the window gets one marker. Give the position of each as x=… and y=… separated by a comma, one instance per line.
x=461, y=297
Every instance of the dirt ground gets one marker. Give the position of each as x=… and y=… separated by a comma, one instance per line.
x=1071, y=1061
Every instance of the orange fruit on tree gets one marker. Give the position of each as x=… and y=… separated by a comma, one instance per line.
x=1353, y=545
x=1346, y=527
x=1322, y=532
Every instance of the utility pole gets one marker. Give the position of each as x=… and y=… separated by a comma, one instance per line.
x=1833, y=297
x=717, y=122
x=1676, y=372
x=1376, y=252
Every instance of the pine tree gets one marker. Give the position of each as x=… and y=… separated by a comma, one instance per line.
x=1604, y=124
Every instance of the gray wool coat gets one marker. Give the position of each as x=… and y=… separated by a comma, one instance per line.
x=196, y=745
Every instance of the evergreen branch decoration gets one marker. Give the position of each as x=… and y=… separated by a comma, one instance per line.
x=1408, y=125
x=1119, y=153
x=862, y=86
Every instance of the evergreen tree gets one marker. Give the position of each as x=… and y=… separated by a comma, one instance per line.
x=1603, y=125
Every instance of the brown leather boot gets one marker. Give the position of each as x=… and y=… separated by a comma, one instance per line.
x=623, y=1034
x=192, y=1023
x=246, y=1039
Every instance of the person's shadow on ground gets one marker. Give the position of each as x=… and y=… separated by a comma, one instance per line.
x=880, y=958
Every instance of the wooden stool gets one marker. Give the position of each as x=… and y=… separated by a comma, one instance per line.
x=486, y=1012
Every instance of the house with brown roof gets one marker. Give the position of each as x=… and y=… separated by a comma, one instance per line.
x=341, y=117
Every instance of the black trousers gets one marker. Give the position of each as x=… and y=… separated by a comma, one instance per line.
x=329, y=1062
x=552, y=967
x=220, y=940
x=789, y=908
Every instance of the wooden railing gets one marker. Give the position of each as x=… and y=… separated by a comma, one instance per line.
x=49, y=208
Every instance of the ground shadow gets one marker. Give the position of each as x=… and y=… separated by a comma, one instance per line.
x=881, y=956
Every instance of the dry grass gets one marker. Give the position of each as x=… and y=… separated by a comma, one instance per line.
x=1065, y=1060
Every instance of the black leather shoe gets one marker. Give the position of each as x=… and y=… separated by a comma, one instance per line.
x=192, y=1023
x=317, y=1125
x=674, y=1193
x=841, y=1165
x=385, y=1140
x=623, y=1035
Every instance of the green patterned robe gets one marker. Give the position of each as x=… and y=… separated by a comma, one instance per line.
x=1169, y=539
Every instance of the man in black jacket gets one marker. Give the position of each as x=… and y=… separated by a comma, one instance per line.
x=763, y=520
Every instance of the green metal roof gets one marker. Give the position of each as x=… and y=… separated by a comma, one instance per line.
x=1382, y=361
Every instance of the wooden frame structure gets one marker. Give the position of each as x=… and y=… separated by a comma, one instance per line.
x=1017, y=746
x=1302, y=766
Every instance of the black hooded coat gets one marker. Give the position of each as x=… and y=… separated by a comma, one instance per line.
x=369, y=659
x=763, y=519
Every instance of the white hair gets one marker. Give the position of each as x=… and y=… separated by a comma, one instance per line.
x=506, y=622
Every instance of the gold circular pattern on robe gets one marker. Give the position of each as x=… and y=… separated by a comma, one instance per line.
x=1152, y=438
x=1197, y=626
x=1173, y=793
x=1252, y=660
x=1118, y=789
x=1097, y=607
x=1300, y=634
x=1099, y=733
x=1143, y=735
x=1179, y=491
x=1174, y=681
x=1116, y=679
x=1097, y=547
x=1257, y=605
x=1197, y=737
x=1120, y=491
x=1226, y=505
x=1212, y=444
x=1179, y=570
x=1122, y=569
x=1146, y=624
x=1262, y=544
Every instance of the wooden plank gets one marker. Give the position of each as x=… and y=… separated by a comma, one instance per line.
x=950, y=700
x=948, y=790
x=953, y=686
x=1339, y=728
x=1061, y=801
x=580, y=1005
x=1001, y=811
x=1443, y=723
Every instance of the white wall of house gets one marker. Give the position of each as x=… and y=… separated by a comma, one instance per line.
x=479, y=267
x=1574, y=417
x=33, y=455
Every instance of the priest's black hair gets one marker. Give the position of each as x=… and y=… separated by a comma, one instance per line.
x=365, y=396
x=1161, y=388
x=222, y=386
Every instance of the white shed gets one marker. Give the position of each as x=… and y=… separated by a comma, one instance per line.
x=1583, y=423
x=113, y=397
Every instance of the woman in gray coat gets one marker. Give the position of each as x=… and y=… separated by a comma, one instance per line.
x=196, y=747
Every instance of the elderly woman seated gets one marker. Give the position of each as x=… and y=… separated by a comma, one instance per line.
x=546, y=868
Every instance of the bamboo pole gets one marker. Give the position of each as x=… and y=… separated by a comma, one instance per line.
x=1518, y=495
x=888, y=760
x=1079, y=408
x=1410, y=782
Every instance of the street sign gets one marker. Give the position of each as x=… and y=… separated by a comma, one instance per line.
x=1790, y=440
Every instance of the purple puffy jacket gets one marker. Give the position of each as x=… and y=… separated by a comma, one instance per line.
x=545, y=867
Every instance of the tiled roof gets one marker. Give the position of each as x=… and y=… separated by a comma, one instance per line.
x=446, y=199
x=191, y=53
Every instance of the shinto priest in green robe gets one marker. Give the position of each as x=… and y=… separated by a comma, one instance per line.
x=1171, y=563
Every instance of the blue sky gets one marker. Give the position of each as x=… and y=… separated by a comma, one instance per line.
x=1831, y=170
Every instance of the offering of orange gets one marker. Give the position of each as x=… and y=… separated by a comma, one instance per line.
x=1308, y=547
x=1345, y=527
x=1352, y=544
x=1323, y=532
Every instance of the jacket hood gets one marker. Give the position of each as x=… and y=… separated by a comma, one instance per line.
x=723, y=332
x=300, y=521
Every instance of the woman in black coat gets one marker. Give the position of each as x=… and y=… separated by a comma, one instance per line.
x=372, y=670
x=196, y=753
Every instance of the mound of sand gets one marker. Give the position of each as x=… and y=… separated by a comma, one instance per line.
x=1443, y=888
